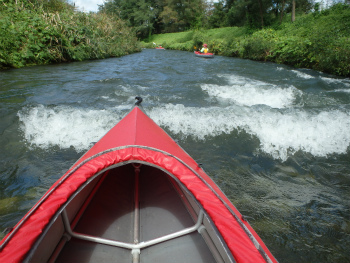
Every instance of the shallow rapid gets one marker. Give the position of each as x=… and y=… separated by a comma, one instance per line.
x=276, y=139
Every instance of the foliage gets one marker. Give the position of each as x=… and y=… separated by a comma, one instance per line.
x=215, y=17
x=166, y=16
x=254, y=13
x=157, y=16
x=31, y=34
x=217, y=39
x=317, y=40
x=323, y=39
x=258, y=45
x=293, y=51
x=47, y=31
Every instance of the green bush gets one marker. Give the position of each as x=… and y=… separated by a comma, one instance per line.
x=30, y=35
x=335, y=58
x=257, y=46
x=293, y=51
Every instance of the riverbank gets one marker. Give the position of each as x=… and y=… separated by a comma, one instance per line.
x=33, y=35
x=318, y=41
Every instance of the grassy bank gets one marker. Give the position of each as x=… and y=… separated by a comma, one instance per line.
x=31, y=35
x=319, y=41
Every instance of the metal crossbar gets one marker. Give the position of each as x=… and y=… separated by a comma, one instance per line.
x=137, y=246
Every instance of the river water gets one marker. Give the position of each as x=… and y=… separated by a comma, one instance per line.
x=274, y=138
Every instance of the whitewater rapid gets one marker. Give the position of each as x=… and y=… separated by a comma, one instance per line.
x=277, y=115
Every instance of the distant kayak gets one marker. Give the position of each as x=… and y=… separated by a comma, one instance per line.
x=160, y=48
x=204, y=55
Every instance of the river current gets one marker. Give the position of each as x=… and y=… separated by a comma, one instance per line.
x=275, y=139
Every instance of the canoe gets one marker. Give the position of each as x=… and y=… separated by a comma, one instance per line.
x=203, y=55
x=135, y=196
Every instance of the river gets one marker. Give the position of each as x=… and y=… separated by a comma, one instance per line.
x=275, y=139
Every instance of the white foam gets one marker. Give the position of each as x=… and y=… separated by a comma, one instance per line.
x=342, y=90
x=250, y=92
x=303, y=75
x=66, y=127
x=321, y=134
x=346, y=82
x=142, y=88
x=188, y=121
x=280, y=133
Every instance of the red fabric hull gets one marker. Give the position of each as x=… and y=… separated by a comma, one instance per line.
x=137, y=137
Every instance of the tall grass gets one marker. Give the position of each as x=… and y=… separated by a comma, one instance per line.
x=30, y=36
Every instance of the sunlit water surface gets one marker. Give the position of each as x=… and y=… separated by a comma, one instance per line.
x=275, y=139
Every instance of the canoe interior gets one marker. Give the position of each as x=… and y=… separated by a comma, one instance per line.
x=105, y=207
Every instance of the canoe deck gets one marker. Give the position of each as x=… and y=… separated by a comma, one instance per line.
x=135, y=196
x=110, y=215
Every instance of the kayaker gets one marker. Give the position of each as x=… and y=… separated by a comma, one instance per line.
x=205, y=49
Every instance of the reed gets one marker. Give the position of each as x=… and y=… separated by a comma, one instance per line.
x=32, y=35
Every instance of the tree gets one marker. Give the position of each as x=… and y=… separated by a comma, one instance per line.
x=283, y=3
x=217, y=15
x=144, y=18
x=261, y=13
x=251, y=13
x=280, y=7
x=237, y=14
x=157, y=16
x=180, y=15
x=140, y=14
x=169, y=19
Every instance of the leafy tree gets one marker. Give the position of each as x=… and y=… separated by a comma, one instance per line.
x=144, y=16
x=261, y=11
x=301, y=6
x=169, y=18
x=237, y=14
x=216, y=15
x=249, y=12
x=280, y=9
x=255, y=13
x=158, y=16
x=179, y=15
x=140, y=14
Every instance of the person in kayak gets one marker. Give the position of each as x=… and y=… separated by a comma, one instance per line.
x=204, y=49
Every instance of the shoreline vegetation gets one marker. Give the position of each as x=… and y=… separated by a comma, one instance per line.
x=39, y=32
x=318, y=41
